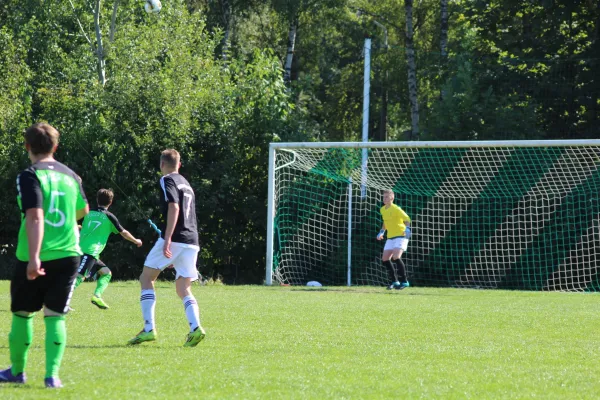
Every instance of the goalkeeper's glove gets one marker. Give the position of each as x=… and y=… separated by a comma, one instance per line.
x=380, y=234
x=407, y=232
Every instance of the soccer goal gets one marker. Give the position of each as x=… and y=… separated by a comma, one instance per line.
x=489, y=214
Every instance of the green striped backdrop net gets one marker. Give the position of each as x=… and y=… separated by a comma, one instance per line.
x=497, y=217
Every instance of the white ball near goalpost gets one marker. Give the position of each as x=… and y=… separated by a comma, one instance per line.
x=152, y=6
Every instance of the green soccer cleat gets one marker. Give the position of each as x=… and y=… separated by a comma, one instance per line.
x=98, y=302
x=193, y=338
x=143, y=336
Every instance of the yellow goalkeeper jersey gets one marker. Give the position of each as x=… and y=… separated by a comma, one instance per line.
x=393, y=218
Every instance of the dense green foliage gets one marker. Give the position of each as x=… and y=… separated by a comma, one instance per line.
x=324, y=343
x=206, y=77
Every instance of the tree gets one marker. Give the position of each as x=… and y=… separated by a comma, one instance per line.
x=443, y=38
x=166, y=89
x=412, y=70
x=544, y=52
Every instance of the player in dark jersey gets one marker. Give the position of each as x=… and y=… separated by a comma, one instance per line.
x=95, y=230
x=51, y=200
x=178, y=246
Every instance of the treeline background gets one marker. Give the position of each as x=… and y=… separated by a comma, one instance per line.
x=221, y=79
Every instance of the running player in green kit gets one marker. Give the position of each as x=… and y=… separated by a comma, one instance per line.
x=95, y=230
x=51, y=200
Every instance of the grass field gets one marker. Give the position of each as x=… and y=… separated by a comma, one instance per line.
x=293, y=342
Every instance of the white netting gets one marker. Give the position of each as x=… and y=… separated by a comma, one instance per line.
x=496, y=217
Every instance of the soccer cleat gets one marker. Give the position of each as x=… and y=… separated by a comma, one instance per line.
x=193, y=338
x=393, y=286
x=8, y=377
x=403, y=285
x=143, y=336
x=52, y=382
x=98, y=302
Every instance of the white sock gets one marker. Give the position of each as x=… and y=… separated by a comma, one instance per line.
x=148, y=302
x=192, y=312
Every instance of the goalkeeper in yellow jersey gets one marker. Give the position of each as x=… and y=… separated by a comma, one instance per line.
x=397, y=224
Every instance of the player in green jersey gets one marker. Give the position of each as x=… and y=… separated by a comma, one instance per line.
x=95, y=230
x=51, y=201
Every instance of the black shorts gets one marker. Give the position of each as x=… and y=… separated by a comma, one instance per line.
x=89, y=265
x=52, y=290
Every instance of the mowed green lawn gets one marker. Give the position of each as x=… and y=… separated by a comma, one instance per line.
x=294, y=342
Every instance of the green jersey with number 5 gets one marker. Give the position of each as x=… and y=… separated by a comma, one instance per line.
x=57, y=190
x=95, y=230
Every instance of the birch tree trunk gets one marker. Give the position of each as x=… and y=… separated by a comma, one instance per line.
x=443, y=43
x=287, y=75
x=99, y=47
x=226, y=7
x=412, y=70
x=113, y=22
x=444, y=29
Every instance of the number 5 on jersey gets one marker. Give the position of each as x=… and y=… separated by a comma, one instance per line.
x=54, y=210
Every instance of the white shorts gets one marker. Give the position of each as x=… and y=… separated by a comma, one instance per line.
x=396, y=243
x=183, y=259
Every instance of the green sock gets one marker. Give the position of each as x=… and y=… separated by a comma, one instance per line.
x=19, y=340
x=56, y=341
x=101, y=284
x=78, y=280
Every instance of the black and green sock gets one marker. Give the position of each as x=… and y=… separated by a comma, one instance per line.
x=391, y=270
x=401, y=269
x=101, y=284
x=19, y=340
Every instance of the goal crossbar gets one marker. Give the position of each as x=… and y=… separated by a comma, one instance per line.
x=436, y=144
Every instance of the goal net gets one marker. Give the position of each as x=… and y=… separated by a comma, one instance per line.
x=508, y=215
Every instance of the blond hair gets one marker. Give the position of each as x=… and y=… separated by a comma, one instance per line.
x=170, y=157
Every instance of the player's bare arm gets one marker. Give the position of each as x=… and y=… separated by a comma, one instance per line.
x=128, y=236
x=172, y=216
x=34, y=220
x=83, y=212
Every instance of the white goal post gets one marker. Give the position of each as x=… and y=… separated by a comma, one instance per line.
x=486, y=214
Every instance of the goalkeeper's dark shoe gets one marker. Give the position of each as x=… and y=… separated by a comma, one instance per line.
x=8, y=377
x=393, y=286
x=403, y=285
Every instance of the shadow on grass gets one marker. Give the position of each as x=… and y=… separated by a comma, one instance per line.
x=77, y=346
x=152, y=347
x=344, y=290
x=110, y=346
x=20, y=386
x=372, y=290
